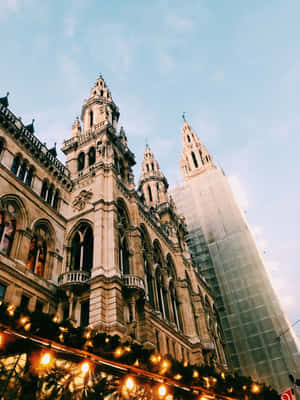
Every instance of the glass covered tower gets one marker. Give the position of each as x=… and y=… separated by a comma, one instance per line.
x=259, y=339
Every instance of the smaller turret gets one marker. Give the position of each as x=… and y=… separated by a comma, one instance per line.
x=76, y=128
x=195, y=158
x=153, y=184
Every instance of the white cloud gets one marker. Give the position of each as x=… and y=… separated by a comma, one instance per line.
x=239, y=192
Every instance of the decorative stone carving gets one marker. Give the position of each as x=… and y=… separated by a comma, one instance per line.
x=81, y=200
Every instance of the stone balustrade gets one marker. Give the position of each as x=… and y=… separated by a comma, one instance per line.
x=133, y=282
x=73, y=278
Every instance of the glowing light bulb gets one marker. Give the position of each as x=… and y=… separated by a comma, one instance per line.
x=55, y=319
x=222, y=375
x=85, y=367
x=1, y=340
x=165, y=364
x=46, y=359
x=162, y=390
x=118, y=352
x=195, y=374
x=255, y=388
x=178, y=377
x=153, y=359
x=244, y=387
x=107, y=340
x=27, y=326
x=129, y=383
x=23, y=320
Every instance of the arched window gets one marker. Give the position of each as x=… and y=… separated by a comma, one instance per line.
x=92, y=156
x=148, y=282
x=22, y=170
x=157, y=189
x=175, y=307
x=82, y=249
x=147, y=166
x=80, y=161
x=150, y=193
x=44, y=190
x=29, y=176
x=7, y=232
x=37, y=255
x=188, y=138
x=1, y=145
x=91, y=118
x=161, y=295
x=195, y=160
x=15, y=165
x=55, y=200
x=123, y=257
x=200, y=154
x=152, y=166
x=50, y=194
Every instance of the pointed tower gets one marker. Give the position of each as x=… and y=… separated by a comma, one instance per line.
x=259, y=340
x=195, y=158
x=153, y=184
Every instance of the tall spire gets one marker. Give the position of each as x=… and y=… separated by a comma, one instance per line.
x=153, y=184
x=195, y=158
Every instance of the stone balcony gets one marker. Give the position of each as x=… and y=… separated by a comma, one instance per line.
x=73, y=278
x=133, y=282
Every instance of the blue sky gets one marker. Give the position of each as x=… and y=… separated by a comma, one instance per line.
x=234, y=67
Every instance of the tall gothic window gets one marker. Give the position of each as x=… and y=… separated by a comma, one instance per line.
x=161, y=295
x=82, y=247
x=149, y=193
x=44, y=189
x=148, y=282
x=123, y=257
x=92, y=156
x=37, y=255
x=91, y=118
x=22, y=170
x=123, y=224
x=188, y=138
x=29, y=176
x=7, y=232
x=80, y=161
x=55, y=200
x=50, y=194
x=15, y=165
x=194, y=160
x=174, y=304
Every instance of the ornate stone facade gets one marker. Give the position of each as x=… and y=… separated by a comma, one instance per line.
x=80, y=241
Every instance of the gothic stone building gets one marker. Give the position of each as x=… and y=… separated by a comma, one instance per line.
x=80, y=241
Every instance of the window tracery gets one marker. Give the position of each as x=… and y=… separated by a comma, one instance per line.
x=7, y=232
x=37, y=254
x=82, y=247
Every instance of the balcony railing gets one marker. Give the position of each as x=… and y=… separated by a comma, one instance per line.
x=133, y=282
x=207, y=344
x=73, y=278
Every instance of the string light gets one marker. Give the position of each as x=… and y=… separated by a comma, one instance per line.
x=118, y=352
x=162, y=391
x=87, y=334
x=61, y=337
x=154, y=359
x=23, y=320
x=55, y=319
x=185, y=364
x=222, y=375
x=136, y=363
x=129, y=383
x=85, y=367
x=207, y=382
x=195, y=374
x=11, y=310
x=45, y=359
x=128, y=348
x=178, y=377
x=27, y=326
x=255, y=388
x=107, y=340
